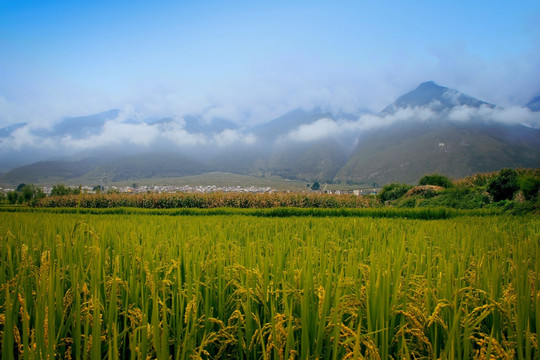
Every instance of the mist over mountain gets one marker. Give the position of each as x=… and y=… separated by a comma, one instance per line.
x=444, y=131
x=429, y=129
x=81, y=127
x=534, y=104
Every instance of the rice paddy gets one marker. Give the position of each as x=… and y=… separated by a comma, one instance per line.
x=137, y=286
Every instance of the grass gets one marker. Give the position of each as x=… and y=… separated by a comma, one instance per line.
x=387, y=212
x=200, y=287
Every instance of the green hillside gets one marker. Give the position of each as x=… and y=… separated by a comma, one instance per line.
x=320, y=160
x=405, y=152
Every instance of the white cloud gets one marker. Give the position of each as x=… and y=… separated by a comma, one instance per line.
x=115, y=132
x=174, y=131
x=510, y=115
x=325, y=127
x=24, y=137
x=232, y=137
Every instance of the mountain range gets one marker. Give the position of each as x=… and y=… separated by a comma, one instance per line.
x=429, y=129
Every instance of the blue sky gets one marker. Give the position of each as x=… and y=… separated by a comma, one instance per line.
x=250, y=61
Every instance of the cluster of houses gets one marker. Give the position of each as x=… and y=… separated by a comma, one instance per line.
x=191, y=189
x=134, y=189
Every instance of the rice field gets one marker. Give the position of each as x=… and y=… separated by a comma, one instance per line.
x=141, y=286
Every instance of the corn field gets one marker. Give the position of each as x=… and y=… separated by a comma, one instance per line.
x=209, y=200
x=83, y=286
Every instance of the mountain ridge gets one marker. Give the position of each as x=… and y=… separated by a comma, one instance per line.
x=399, y=150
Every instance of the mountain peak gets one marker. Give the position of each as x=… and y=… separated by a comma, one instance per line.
x=436, y=97
x=429, y=85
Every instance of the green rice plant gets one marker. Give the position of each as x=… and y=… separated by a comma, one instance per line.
x=424, y=213
x=127, y=284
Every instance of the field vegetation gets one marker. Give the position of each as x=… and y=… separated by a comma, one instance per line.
x=513, y=191
x=210, y=200
x=140, y=286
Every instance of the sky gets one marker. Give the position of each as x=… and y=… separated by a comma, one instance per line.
x=251, y=61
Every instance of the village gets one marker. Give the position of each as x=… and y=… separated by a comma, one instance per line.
x=206, y=189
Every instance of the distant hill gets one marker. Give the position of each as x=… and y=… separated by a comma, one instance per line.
x=144, y=166
x=93, y=170
x=406, y=151
x=315, y=160
x=49, y=172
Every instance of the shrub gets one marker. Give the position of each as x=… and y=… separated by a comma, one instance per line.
x=408, y=202
x=530, y=185
x=504, y=185
x=459, y=197
x=517, y=208
x=425, y=191
x=393, y=191
x=436, y=179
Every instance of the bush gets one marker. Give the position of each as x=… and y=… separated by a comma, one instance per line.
x=504, y=185
x=425, y=191
x=458, y=198
x=393, y=191
x=530, y=185
x=517, y=208
x=408, y=202
x=436, y=179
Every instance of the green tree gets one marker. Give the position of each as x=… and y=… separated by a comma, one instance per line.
x=504, y=185
x=29, y=194
x=12, y=196
x=436, y=179
x=316, y=186
x=60, y=190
